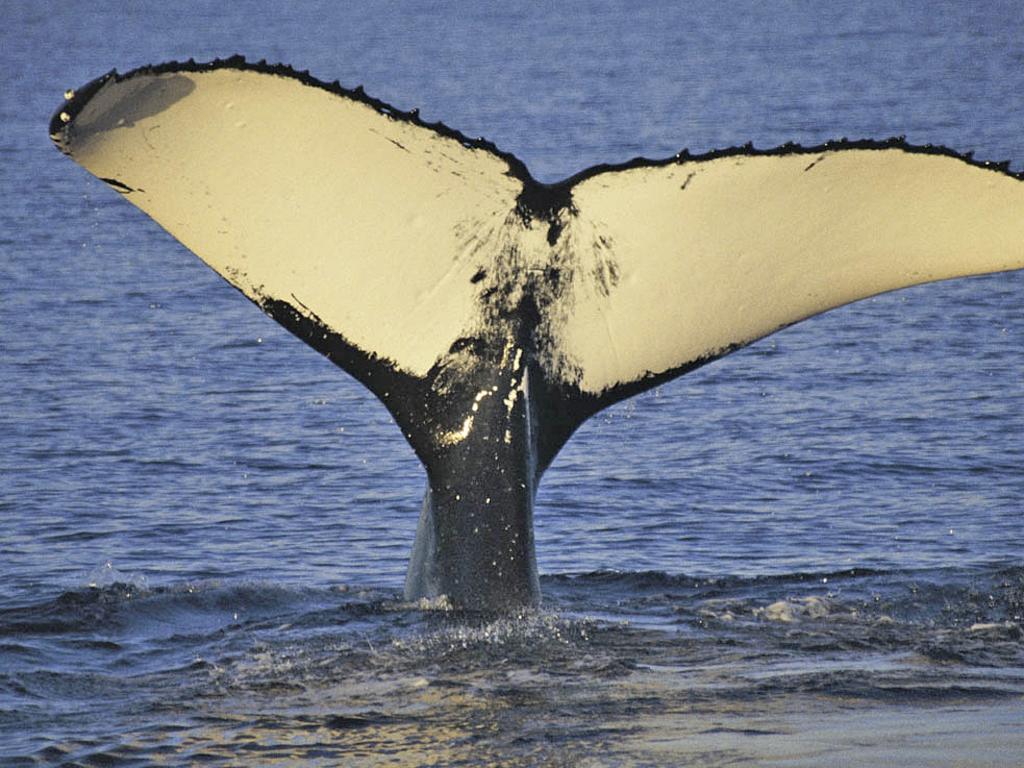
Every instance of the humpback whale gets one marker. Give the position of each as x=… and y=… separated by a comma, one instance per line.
x=491, y=313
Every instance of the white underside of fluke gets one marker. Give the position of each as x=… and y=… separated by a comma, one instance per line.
x=715, y=254
x=389, y=232
x=373, y=224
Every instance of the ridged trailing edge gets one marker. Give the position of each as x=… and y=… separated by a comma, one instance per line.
x=239, y=62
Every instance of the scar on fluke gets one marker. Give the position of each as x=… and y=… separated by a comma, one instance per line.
x=814, y=162
x=598, y=287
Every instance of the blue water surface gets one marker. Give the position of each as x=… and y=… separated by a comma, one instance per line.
x=206, y=524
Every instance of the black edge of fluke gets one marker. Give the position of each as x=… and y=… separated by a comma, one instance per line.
x=403, y=394
x=543, y=200
x=790, y=148
x=119, y=186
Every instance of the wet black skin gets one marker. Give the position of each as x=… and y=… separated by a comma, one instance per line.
x=488, y=440
x=474, y=543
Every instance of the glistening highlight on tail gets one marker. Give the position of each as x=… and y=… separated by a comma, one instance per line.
x=493, y=314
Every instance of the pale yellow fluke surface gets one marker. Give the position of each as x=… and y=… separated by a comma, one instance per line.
x=722, y=252
x=377, y=225
x=295, y=193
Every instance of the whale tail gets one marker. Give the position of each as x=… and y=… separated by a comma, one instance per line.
x=493, y=314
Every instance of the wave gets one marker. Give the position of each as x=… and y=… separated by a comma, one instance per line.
x=359, y=663
x=121, y=607
x=854, y=632
x=991, y=594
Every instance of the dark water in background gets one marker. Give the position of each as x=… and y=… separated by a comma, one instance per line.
x=809, y=553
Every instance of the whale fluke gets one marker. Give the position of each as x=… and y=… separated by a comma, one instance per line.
x=490, y=313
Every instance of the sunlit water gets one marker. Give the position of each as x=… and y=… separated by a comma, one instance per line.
x=806, y=554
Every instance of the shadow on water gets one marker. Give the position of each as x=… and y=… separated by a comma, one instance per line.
x=616, y=664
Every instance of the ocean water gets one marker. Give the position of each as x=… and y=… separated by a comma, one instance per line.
x=806, y=554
